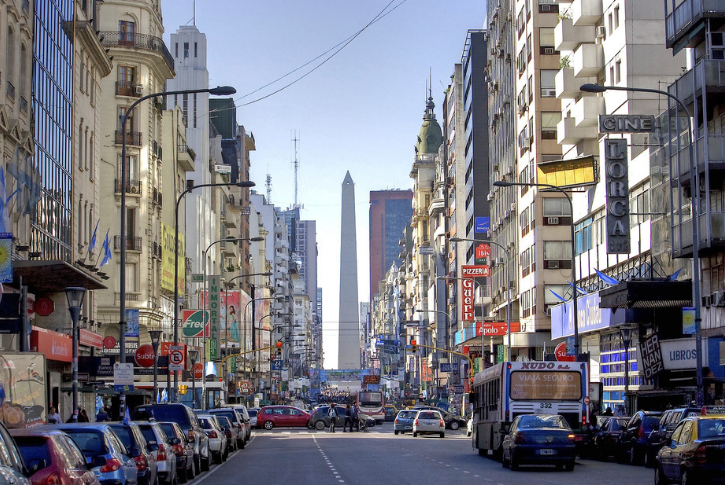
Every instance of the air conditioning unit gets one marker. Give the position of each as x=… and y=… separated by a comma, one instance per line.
x=495, y=167
x=549, y=50
x=707, y=300
x=545, y=8
x=718, y=298
x=547, y=312
x=138, y=89
x=548, y=93
x=601, y=32
x=513, y=206
x=552, y=221
x=525, y=143
x=552, y=264
x=489, y=197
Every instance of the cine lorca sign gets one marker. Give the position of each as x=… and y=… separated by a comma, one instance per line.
x=617, y=189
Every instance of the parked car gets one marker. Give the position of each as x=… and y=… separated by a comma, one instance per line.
x=320, y=420
x=230, y=432
x=633, y=439
x=539, y=439
x=106, y=455
x=246, y=422
x=52, y=457
x=606, y=439
x=390, y=412
x=237, y=421
x=182, y=450
x=161, y=448
x=453, y=422
x=282, y=416
x=253, y=417
x=184, y=417
x=696, y=452
x=12, y=467
x=217, y=440
x=428, y=421
x=134, y=441
x=404, y=421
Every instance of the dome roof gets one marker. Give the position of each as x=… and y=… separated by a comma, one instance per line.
x=431, y=135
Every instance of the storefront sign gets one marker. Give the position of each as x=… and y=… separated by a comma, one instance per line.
x=475, y=271
x=483, y=253
x=497, y=329
x=132, y=321
x=130, y=348
x=214, y=309
x=651, y=356
x=90, y=339
x=467, y=292
x=56, y=346
x=591, y=317
x=626, y=123
x=681, y=354
x=617, y=189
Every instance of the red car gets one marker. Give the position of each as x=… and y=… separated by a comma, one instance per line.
x=281, y=416
x=53, y=458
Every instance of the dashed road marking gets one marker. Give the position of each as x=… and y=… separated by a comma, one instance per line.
x=328, y=462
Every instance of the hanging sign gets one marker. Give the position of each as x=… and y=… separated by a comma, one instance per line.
x=617, y=188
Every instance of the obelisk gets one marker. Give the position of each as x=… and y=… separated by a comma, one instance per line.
x=348, y=350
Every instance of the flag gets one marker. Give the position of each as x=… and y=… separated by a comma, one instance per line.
x=28, y=179
x=583, y=292
x=4, y=214
x=164, y=396
x=92, y=246
x=106, y=251
x=158, y=396
x=558, y=296
x=607, y=279
x=126, y=416
x=673, y=276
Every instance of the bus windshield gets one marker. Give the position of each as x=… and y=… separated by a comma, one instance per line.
x=545, y=386
x=369, y=398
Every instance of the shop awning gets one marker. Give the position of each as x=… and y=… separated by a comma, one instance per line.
x=43, y=277
x=647, y=294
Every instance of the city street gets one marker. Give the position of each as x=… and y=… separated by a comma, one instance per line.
x=303, y=456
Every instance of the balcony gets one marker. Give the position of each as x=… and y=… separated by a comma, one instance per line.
x=568, y=133
x=712, y=233
x=124, y=88
x=568, y=36
x=681, y=20
x=588, y=60
x=132, y=187
x=133, y=138
x=229, y=249
x=587, y=12
x=185, y=157
x=711, y=71
x=138, y=41
x=230, y=220
x=567, y=86
x=587, y=110
x=133, y=243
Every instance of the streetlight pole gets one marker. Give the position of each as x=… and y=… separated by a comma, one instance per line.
x=155, y=336
x=626, y=333
x=276, y=298
x=695, y=186
x=573, y=248
x=75, y=297
x=242, y=184
x=193, y=357
x=217, y=91
x=507, y=276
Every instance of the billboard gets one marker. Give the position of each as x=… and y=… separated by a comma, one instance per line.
x=167, y=258
x=575, y=172
x=22, y=389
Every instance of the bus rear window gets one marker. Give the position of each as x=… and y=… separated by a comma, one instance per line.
x=370, y=398
x=545, y=385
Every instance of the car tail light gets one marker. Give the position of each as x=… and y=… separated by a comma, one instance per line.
x=520, y=438
x=212, y=434
x=640, y=432
x=571, y=436
x=396, y=420
x=53, y=479
x=415, y=423
x=161, y=454
x=239, y=426
x=442, y=423
x=701, y=455
x=112, y=464
x=191, y=435
x=178, y=449
x=141, y=462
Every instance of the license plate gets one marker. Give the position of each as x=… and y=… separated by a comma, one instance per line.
x=546, y=451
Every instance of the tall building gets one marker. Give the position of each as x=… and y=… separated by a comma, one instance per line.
x=306, y=251
x=348, y=352
x=390, y=213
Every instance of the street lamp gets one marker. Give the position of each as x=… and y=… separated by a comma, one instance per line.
x=75, y=297
x=217, y=91
x=155, y=336
x=193, y=357
x=506, y=276
x=695, y=174
x=573, y=248
x=276, y=298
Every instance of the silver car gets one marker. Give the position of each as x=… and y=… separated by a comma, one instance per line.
x=161, y=449
x=217, y=439
x=12, y=468
x=429, y=422
x=246, y=421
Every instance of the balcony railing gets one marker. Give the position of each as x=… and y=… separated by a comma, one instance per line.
x=139, y=41
x=687, y=14
x=11, y=91
x=184, y=148
x=125, y=88
x=133, y=243
x=133, y=138
x=132, y=187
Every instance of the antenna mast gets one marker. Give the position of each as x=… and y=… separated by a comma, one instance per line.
x=268, y=183
x=296, y=164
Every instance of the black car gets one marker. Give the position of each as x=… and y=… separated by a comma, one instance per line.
x=633, y=440
x=320, y=420
x=134, y=441
x=606, y=438
x=539, y=439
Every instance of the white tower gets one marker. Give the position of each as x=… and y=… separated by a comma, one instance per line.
x=348, y=356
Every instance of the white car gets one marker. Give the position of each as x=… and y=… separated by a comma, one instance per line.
x=253, y=416
x=428, y=421
x=161, y=449
x=217, y=438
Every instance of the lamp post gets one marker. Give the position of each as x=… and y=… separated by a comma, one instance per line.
x=155, y=336
x=573, y=248
x=507, y=276
x=75, y=297
x=274, y=327
x=217, y=91
x=695, y=174
x=276, y=298
x=193, y=357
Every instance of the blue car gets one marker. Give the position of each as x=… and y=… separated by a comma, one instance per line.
x=404, y=421
x=106, y=455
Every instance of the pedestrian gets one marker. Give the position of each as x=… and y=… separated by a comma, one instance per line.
x=102, y=415
x=608, y=412
x=83, y=417
x=353, y=416
x=53, y=416
x=73, y=417
x=348, y=418
x=332, y=413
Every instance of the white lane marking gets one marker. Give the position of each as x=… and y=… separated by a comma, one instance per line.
x=327, y=460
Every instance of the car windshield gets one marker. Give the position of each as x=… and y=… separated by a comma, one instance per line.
x=617, y=424
x=543, y=422
x=252, y=412
x=90, y=442
x=174, y=414
x=33, y=448
x=651, y=422
x=205, y=423
x=168, y=428
x=407, y=414
x=226, y=413
x=429, y=415
x=711, y=428
x=148, y=433
x=124, y=432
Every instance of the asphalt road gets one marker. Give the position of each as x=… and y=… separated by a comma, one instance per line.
x=301, y=456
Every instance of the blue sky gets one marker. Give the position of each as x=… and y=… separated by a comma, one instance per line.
x=360, y=111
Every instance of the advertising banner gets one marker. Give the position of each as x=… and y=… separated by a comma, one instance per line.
x=483, y=253
x=132, y=318
x=167, y=258
x=467, y=292
x=651, y=356
x=22, y=389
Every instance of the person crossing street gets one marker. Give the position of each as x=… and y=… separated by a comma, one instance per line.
x=332, y=413
x=348, y=419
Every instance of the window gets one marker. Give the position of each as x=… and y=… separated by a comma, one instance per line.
x=186, y=49
x=616, y=17
x=80, y=147
x=130, y=275
x=618, y=72
x=550, y=298
x=131, y=168
x=129, y=121
x=548, y=84
x=196, y=49
x=126, y=31
x=556, y=207
x=611, y=24
x=549, y=120
x=546, y=40
x=557, y=254
x=92, y=156
x=176, y=49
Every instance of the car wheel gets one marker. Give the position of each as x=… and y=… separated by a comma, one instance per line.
x=206, y=464
x=685, y=478
x=415, y=434
x=648, y=460
x=514, y=464
x=559, y=466
x=396, y=432
x=659, y=476
x=443, y=435
x=241, y=444
x=197, y=464
x=570, y=466
x=268, y=425
x=504, y=461
x=320, y=425
x=454, y=425
x=632, y=456
x=184, y=476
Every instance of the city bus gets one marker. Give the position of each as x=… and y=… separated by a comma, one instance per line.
x=371, y=404
x=503, y=391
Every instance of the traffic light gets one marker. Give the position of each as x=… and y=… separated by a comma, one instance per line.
x=183, y=388
x=413, y=346
x=279, y=349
